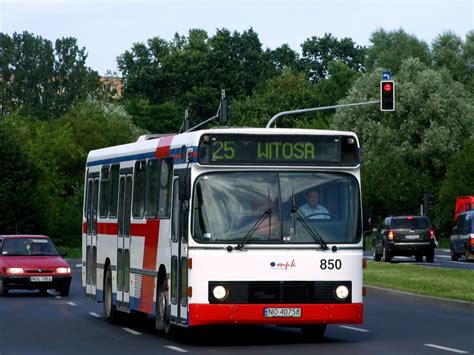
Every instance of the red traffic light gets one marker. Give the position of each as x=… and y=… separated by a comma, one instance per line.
x=387, y=95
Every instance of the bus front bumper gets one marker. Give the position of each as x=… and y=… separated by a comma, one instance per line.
x=209, y=314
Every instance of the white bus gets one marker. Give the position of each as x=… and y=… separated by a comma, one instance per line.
x=208, y=228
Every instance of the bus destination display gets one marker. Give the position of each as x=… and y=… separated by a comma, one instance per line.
x=278, y=149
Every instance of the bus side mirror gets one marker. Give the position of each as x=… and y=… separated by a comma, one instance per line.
x=184, y=186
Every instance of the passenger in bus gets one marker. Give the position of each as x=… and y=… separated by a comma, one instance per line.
x=312, y=209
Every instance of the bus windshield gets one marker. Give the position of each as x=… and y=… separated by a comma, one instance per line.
x=228, y=205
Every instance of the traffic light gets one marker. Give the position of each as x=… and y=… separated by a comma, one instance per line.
x=387, y=95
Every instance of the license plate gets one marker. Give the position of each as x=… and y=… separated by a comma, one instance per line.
x=41, y=278
x=282, y=312
x=413, y=236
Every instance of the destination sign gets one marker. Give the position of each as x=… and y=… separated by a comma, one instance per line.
x=248, y=149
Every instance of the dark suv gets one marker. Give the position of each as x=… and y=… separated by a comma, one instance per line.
x=462, y=237
x=406, y=236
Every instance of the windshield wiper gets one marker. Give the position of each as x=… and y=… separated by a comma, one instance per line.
x=308, y=227
x=252, y=230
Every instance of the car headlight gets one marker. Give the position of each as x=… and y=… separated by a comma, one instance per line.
x=220, y=293
x=63, y=270
x=342, y=292
x=15, y=270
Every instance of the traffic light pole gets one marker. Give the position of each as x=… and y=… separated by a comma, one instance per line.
x=297, y=112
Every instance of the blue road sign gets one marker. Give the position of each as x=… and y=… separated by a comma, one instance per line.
x=386, y=75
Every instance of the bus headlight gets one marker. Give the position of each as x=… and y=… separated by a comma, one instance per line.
x=342, y=292
x=219, y=292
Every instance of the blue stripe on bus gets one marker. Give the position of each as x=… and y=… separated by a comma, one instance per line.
x=121, y=159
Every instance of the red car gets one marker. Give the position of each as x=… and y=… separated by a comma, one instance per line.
x=32, y=262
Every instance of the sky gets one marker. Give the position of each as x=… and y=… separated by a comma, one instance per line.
x=107, y=28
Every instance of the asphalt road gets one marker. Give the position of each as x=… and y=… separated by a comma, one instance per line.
x=442, y=259
x=394, y=324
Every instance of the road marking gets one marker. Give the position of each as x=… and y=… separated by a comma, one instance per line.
x=71, y=303
x=354, y=328
x=95, y=314
x=175, y=348
x=445, y=348
x=444, y=256
x=131, y=331
x=78, y=265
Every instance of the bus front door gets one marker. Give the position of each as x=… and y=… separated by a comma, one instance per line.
x=92, y=192
x=123, y=242
x=179, y=252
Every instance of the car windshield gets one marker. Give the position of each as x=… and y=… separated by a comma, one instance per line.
x=411, y=223
x=28, y=246
x=228, y=205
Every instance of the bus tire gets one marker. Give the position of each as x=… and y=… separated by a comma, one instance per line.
x=162, y=321
x=313, y=331
x=110, y=310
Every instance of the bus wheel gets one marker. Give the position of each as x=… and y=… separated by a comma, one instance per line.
x=110, y=310
x=313, y=331
x=162, y=321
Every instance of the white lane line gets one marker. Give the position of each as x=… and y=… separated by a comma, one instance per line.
x=354, y=328
x=71, y=303
x=78, y=265
x=444, y=256
x=175, y=348
x=131, y=331
x=445, y=348
x=94, y=314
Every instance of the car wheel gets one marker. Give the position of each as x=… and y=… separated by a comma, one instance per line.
x=162, y=321
x=3, y=290
x=64, y=291
x=430, y=256
x=313, y=331
x=43, y=291
x=419, y=258
x=386, y=255
x=467, y=255
x=454, y=256
x=110, y=310
x=376, y=256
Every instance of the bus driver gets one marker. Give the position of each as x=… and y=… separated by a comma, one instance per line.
x=312, y=209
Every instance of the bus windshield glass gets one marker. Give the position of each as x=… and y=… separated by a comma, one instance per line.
x=228, y=205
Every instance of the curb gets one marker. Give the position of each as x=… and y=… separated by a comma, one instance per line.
x=438, y=301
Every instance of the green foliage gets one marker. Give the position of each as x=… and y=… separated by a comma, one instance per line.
x=155, y=118
x=390, y=49
x=458, y=182
x=285, y=93
x=319, y=52
x=18, y=184
x=40, y=80
x=405, y=152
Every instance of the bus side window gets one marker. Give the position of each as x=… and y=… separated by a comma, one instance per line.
x=164, y=200
x=139, y=185
x=114, y=180
x=152, y=187
x=104, y=191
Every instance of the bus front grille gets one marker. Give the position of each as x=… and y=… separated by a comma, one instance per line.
x=280, y=292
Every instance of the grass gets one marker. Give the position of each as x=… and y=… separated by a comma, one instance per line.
x=72, y=253
x=432, y=281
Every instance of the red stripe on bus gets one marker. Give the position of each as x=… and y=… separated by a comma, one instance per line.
x=149, y=263
x=107, y=228
x=163, y=149
x=208, y=314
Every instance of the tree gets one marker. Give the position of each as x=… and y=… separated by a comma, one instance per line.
x=318, y=52
x=155, y=118
x=458, y=182
x=18, y=184
x=447, y=53
x=390, y=49
x=432, y=119
x=40, y=80
x=289, y=92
